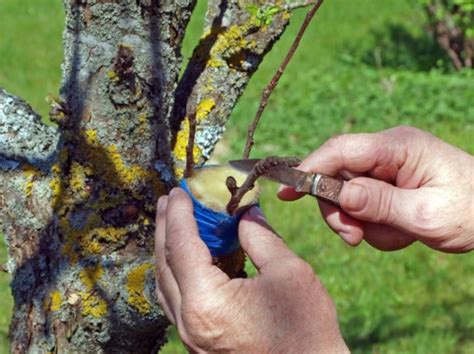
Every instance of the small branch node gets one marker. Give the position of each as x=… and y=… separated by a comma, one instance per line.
x=231, y=184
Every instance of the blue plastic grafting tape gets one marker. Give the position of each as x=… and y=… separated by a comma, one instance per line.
x=219, y=231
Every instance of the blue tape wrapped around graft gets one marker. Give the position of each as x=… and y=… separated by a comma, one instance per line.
x=219, y=231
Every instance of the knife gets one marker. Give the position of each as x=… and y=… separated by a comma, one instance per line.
x=318, y=185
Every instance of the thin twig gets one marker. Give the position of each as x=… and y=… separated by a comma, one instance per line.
x=274, y=81
x=260, y=168
x=190, y=147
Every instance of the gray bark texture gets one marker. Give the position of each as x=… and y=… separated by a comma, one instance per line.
x=78, y=201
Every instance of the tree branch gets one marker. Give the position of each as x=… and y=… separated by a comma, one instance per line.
x=233, y=45
x=23, y=137
x=276, y=78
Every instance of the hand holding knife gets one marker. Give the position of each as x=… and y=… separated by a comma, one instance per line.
x=321, y=186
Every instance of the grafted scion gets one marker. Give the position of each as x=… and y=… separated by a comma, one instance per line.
x=260, y=168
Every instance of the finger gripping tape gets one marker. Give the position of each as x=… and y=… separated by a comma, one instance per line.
x=219, y=231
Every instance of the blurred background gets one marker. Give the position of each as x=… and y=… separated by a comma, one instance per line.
x=363, y=66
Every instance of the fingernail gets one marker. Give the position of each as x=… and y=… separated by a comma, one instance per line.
x=345, y=236
x=161, y=203
x=173, y=192
x=355, y=197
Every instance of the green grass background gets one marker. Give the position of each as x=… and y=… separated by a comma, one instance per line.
x=364, y=65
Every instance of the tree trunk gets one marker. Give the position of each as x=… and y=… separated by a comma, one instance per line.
x=78, y=201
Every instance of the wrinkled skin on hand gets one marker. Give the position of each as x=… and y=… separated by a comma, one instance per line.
x=284, y=309
x=409, y=186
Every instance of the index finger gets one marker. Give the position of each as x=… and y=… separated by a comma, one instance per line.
x=188, y=257
x=350, y=153
x=353, y=152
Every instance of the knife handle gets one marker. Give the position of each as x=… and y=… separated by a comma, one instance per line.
x=326, y=188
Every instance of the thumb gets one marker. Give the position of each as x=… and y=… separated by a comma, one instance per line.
x=259, y=240
x=379, y=202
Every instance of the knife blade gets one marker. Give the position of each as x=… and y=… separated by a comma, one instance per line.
x=318, y=185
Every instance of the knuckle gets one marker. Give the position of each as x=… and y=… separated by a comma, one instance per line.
x=198, y=307
x=384, y=206
x=296, y=269
x=159, y=296
x=200, y=317
x=423, y=215
x=172, y=245
x=409, y=131
x=428, y=218
x=337, y=141
x=168, y=255
x=305, y=270
x=159, y=277
x=406, y=129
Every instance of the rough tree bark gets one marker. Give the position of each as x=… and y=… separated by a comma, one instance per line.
x=78, y=201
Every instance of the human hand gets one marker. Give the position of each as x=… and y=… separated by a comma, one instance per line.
x=284, y=309
x=410, y=186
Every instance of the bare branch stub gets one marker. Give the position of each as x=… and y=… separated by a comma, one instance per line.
x=276, y=78
x=190, y=147
x=231, y=184
x=258, y=170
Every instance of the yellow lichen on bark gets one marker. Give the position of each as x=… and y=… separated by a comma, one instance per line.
x=229, y=46
x=30, y=174
x=53, y=301
x=90, y=275
x=56, y=300
x=232, y=39
x=144, y=124
x=179, y=150
x=91, y=136
x=91, y=239
x=56, y=183
x=113, y=75
x=229, y=42
x=92, y=242
x=136, y=286
x=127, y=175
x=108, y=164
x=92, y=304
x=77, y=181
x=204, y=108
x=215, y=63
